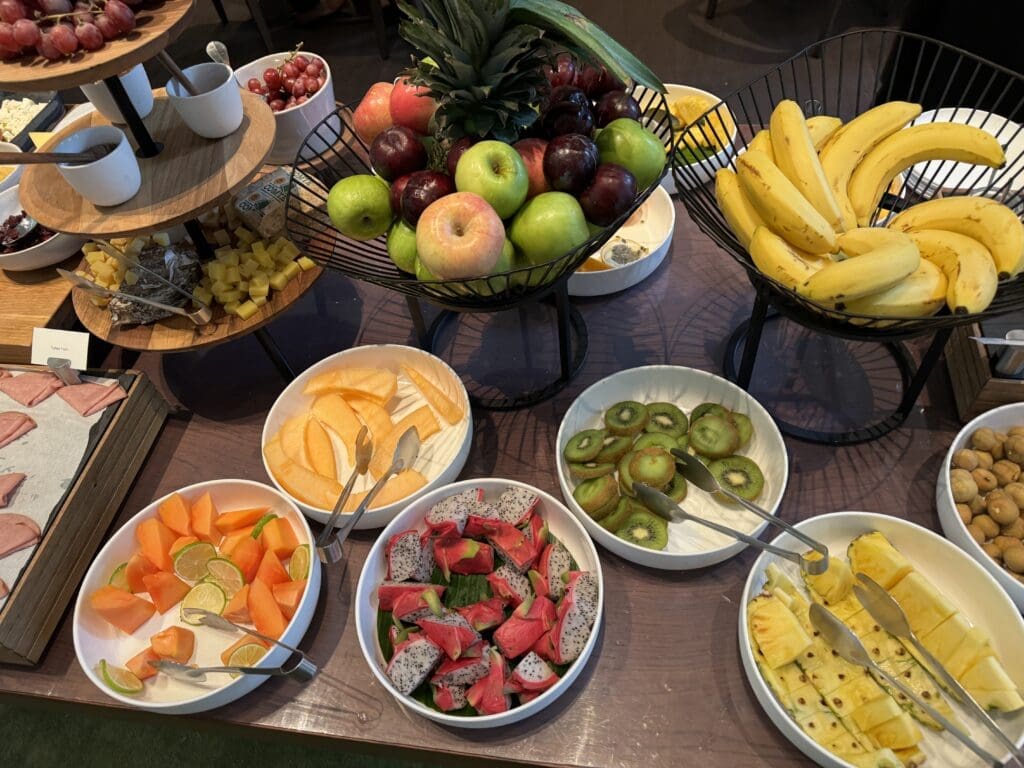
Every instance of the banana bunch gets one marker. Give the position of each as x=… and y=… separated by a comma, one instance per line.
x=805, y=190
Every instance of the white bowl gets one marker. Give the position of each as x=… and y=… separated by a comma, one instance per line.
x=952, y=573
x=999, y=419
x=689, y=545
x=562, y=526
x=294, y=123
x=655, y=233
x=95, y=639
x=441, y=457
x=704, y=170
x=47, y=253
x=11, y=180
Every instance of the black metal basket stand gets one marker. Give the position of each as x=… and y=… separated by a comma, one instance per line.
x=844, y=76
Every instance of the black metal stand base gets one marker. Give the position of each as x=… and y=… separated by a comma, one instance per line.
x=747, y=337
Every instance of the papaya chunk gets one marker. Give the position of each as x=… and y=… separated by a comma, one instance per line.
x=165, y=590
x=377, y=384
x=306, y=486
x=240, y=518
x=174, y=644
x=121, y=609
x=175, y=513
x=288, y=594
x=271, y=571
x=204, y=515
x=156, y=539
x=139, y=665
x=450, y=411
x=334, y=412
x=266, y=615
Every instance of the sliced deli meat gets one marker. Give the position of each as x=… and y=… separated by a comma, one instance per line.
x=30, y=389
x=8, y=485
x=90, y=398
x=4, y=373
x=3, y=587
x=16, y=533
x=14, y=424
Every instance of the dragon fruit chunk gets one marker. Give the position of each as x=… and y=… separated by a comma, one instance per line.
x=410, y=607
x=464, y=671
x=449, y=697
x=533, y=617
x=539, y=583
x=479, y=515
x=451, y=632
x=545, y=646
x=389, y=591
x=515, y=505
x=487, y=696
x=554, y=561
x=464, y=556
x=412, y=661
x=507, y=583
x=425, y=569
x=397, y=634
x=537, y=534
x=576, y=615
x=532, y=673
x=484, y=615
x=403, y=555
x=511, y=544
x=525, y=697
x=447, y=518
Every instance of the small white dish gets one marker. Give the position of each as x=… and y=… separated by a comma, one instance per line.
x=136, y=85
x=216, y=111
x=95, y=639
x=76, y=112
x=114, y=178
x=441, y=458
x=689, y=545
x=700, y=173
x=999, y=419
x=13, y=171
x=51, y=251
x=951, y=572
x=651, y=226
x=562, y=526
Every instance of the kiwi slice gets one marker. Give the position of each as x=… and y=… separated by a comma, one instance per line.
x=615, y=447
x=676, y=488
x=714, y=436
x=626, y=418
x=740, y=475
x=652, y=466
x=659, y=439
x=591, y=469
x=743, y=425
x=607, y=509
x=644, y=529
x=666, y=419
x=625, y=478
x=624, y=507
x=705, y=408
x=683, y=442
x=584, y=446
x=595, y=493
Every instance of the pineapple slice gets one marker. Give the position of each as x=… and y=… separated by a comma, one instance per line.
x=874, y=555
x=862, y=624
x=793, y=678
x=798, y=605
x=833, y=672
x=944, y=639
x=846, y=746
x=846, y=608
x=772, y=677
x=987, y=674
x=823, y=728
x=912, y=675
x=806, y=701
x=776, y=579
x=777, y=632
x=911, y=758
x=856, y=693
x=1003, y=701
x=874, y=713
x=975, y=646
x=882, y=758
x=881, y=646
x=924, y=606
x=899, y=733
x=834, y=584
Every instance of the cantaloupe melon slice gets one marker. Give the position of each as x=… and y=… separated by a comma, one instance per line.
x=334, y=412
x=377, y=384
x=450, y=411
x=376, y=418
x=320, y=450
x=395, y=489
x=293, y=439
x=305, y=485
x=383, y=451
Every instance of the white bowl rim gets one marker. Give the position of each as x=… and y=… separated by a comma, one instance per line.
x=13, y=191
x=658, y=190
x=725, y=151
x=286, y=110
x=363, y=591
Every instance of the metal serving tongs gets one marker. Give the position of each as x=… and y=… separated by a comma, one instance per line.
x=846, y=644
x=890, y=616
x=200, y=316
x=364, y=452
x=405, y=454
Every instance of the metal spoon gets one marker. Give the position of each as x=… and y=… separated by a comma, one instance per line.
x=364, y=452
x=217, y=51
x=201, y=316
x=845, y=643
x=890, y=617
x=22, y=230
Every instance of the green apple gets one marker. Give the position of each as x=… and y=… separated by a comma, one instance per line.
x=627, y=143
x=360, y=207
x=402, y=246
x=548, y=226
x=422, y=273
x=506, y=261
x=495, y=171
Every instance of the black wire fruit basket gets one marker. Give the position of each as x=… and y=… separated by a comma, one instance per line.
x=843, y=76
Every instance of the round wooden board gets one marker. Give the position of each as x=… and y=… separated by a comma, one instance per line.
x=187, y=178
x=157, y=26
x=178, y=334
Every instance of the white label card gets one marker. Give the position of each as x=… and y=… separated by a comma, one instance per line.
x=71, y=345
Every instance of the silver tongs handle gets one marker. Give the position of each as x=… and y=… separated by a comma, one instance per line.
x=331, y=551
x=201, y=316
x=297, y=667
x=328, y=548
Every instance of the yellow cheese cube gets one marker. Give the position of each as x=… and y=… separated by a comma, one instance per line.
x=257, y=290
x=130, y=277
x=220, y=286
x=216, y=270
x=226, y=297
x=244, y=235
x=99, y=301
x=83, y=273
x=103, y=270
x=305, y=263
x=231, y=275
x=231, y=307
x=162, y=238
x=246, y=310
x=289, y=251
x=248, y=268
x=95, y=257
x=259, y=301
x=242, y=285
x=91, y=248
x=202, y=295
x=264, y=260
x=291, y=269
x=222, y=237
x=278, y=281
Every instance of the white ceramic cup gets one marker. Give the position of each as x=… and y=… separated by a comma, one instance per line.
x=136, y=85
x=217, y=110
x=111, y=180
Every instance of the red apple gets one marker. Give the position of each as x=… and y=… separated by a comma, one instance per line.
x=459, y=146
x=423, y=189
x=373, y=114
x=397, y=151
x=395, y=193
x=532, y=152
x=411, y=107
x=459, y=236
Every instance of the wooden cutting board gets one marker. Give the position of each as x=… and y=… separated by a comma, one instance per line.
x=39, y=298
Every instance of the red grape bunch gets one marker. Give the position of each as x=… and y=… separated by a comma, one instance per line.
x=290, y=84
x=56, y=28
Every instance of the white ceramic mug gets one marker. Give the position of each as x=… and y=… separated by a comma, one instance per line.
x=217, y=110
x=111, y=180
x=136, y=85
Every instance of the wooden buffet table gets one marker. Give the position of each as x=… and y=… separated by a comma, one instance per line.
x=665, y=686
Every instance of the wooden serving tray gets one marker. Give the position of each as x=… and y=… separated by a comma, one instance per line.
x=975, y=388
x=79, y=525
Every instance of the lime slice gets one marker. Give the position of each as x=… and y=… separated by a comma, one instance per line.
x=205, y=595
x=298, y=566
x=246, y=656
x=119, y=578
x=258, y=528
x=190, y=561
x=225, y=575
x=119, y=679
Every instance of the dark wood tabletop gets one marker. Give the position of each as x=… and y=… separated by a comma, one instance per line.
x=665, y=686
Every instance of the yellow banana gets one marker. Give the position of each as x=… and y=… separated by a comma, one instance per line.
x=861, y=240
x=849, y=144
x=738, y=212
x=798, y=160
x=762, y=142
x=966, y=263
x=780, y=261
x=917, y=144
x=990, y=222
x=821, y=128
x=869, y=273
x=782, y=206
x=919, y=294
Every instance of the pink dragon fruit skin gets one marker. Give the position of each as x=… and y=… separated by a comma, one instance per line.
x=554, y=561
x=484, y=615
x=537, y=534
x=464, y=556
x=487, y=696
x=539, y=583
x=425, y=569
x=507, y=583
x=525, y=697
x=576, y=615
x=524, y=627
x=515, y=505
x=532, y=673
x=511, y=544
x=451, y=632
x=449, y=697
x=389, y=591
x=412, y=661
x=466, y=670
x=479, y=515
x=545, y=646
x=403, y=555
x=409, y=607
x=448, y=517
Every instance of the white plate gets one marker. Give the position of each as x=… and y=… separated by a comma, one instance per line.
x=654, y=233
x=999, y=419
x=952, y=573
x=441, y=457
x=689, y=545
x=705, y=170
x=562, y=526
x=95, y=639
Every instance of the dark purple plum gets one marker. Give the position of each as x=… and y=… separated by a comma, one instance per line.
x=397, y=151
x=423, y=188
x=568, y=117
x=459, y=146
x=570, y=162
x=597, y=81
x=395, y=193
x=563, y=72
x=609, y=195
x=613, y=105
x=568, y=93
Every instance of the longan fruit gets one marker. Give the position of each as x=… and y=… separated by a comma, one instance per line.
x=993, y=551
x=998, y=450
x=983, y=439
x=977, y=505
x=985, y=460
x=1006, y=472
x=1014, y=559
x=1001, y=508
x=1015, y=431
x=1014, y=448
x=1005, y=542
x=984, y=480
x=965, y=513
x=987, y=526
x=965, y=459
x=1016, y=492
x=1014, y=529
x=963, y=485
x=977, y=534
